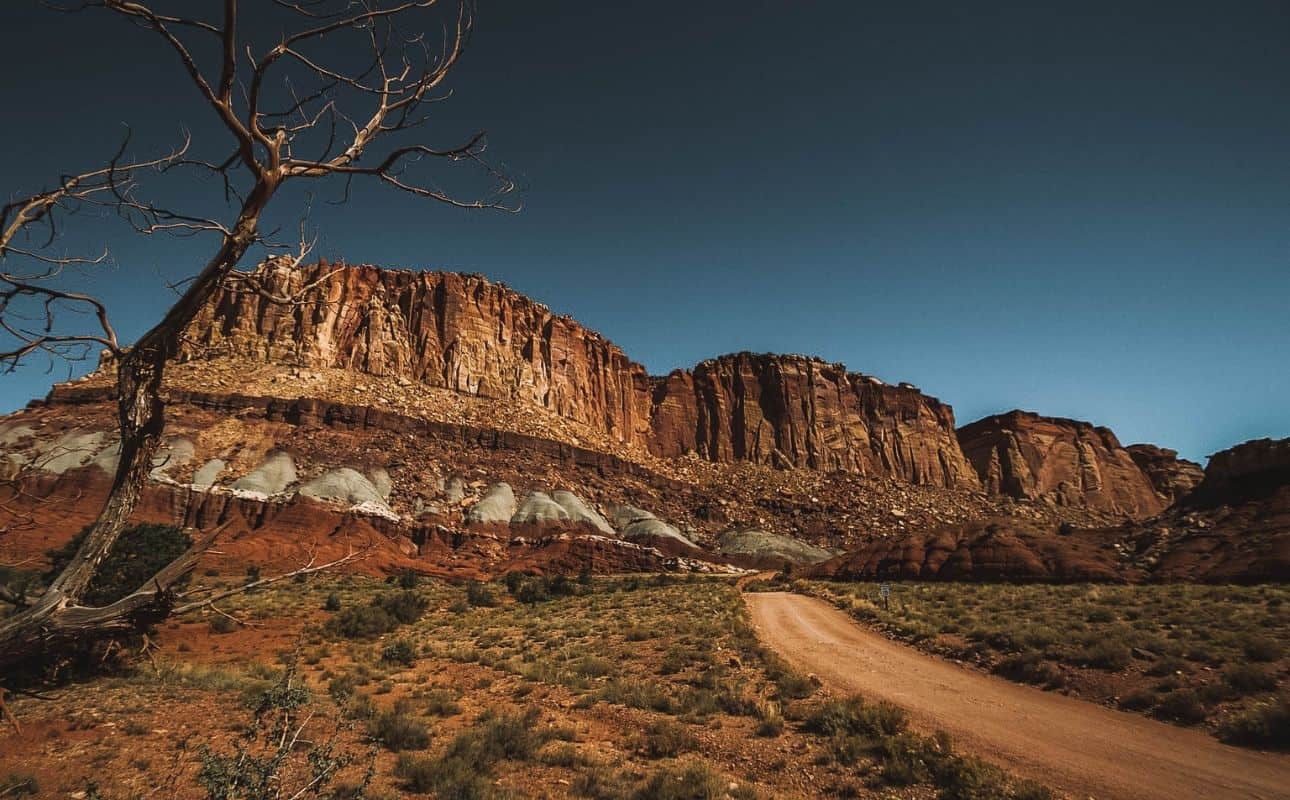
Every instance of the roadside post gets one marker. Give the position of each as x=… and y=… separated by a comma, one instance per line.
x=884, y=591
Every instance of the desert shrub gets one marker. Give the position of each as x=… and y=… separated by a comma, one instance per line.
x=1183, y=705
x=139, y=553
x=497, y=737
x=1029, y=790
x=1030, y=667
x=512, y=581
x=332, y=603
x=275, y=756
x=405, y=607
x=533, y=590
x=397, y=731
x=853, y=717
x=1169, y=665
x=665, y=739
x=683, y=782
x=1259, y=648
x=970, y=778
x=1247, y=678
x=907, y=759
x=770, y=719
x=449, y=778
x=1138, y=701
x=478, y=594
x=362, y=622
x=399, y=651
x=408, y=579
x=1100, y=615
x=222, y=624
x=1107, y=654
x=442, y=703
x=1262, y=725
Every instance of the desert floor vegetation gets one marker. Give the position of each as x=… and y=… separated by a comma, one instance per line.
x=1185, y=653
x=632, y=687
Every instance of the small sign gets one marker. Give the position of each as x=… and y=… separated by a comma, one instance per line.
x=885, y=590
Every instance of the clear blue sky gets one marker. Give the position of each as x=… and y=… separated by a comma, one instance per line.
x=1081, y=210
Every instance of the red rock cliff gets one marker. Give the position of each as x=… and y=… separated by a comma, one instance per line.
x=1061, y=461
x=465, y=333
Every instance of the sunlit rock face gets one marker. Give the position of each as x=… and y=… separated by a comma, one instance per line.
x=1060, y=461
x=465, y=333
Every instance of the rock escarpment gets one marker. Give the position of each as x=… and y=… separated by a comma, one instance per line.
x=793, y=411
x=1064, y=462
x=1173, y=477
x=464, y=333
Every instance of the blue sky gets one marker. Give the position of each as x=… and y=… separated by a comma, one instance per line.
x=1080, y=211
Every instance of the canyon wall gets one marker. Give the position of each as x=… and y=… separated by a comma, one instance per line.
x=1059, y=461
x=465, y=333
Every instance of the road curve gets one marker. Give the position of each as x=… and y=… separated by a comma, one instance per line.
x=1077, y=747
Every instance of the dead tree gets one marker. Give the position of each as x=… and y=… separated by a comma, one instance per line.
x=293, y=111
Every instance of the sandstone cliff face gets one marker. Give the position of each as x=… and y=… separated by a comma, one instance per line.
x=1060, y=461
x=1173, y=477
x=459, y=332
x=464, y=333
x=1250, y=470
x=794, y=411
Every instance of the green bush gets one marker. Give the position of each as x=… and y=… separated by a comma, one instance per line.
x=1261, y=725
x=1259, y=648
x=399, y=651
x=665, y=739
x=362, y=622
x=405, y=607
x=478, y=594
x=332, y=603
x=970, y=778
x=1107, y=654
x=852, y=716
x=397, y=731
x=138, y=554
x=442, y=703
x=1030, y=667
x=1183, y=706
x=1247, y=678
x=686, y=782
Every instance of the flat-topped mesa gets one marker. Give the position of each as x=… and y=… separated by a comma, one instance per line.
x=465, y=333
x=1061, y=461
x=791, y=410
x=443, y=329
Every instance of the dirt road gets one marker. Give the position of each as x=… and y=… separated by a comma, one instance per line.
x=1077, y=747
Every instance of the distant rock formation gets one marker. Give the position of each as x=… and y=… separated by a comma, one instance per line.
x=1172, y=477
x=1060, y=461
x=1006, y=550
x=465, y=333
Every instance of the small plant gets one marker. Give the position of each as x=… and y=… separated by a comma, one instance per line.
x=399, y=651
x=442, y=703
x=1261, y=725
x=408, y=579
x=222, y=624
x=397, y=731
x=1247, y=678
x=770, y=719
x=665, y=739
x=274, y=757
x=694, y=781
x=332, y=603
x=479, y=595
x=1183, y=706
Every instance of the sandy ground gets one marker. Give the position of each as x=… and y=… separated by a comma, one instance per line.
x=1077, y=747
